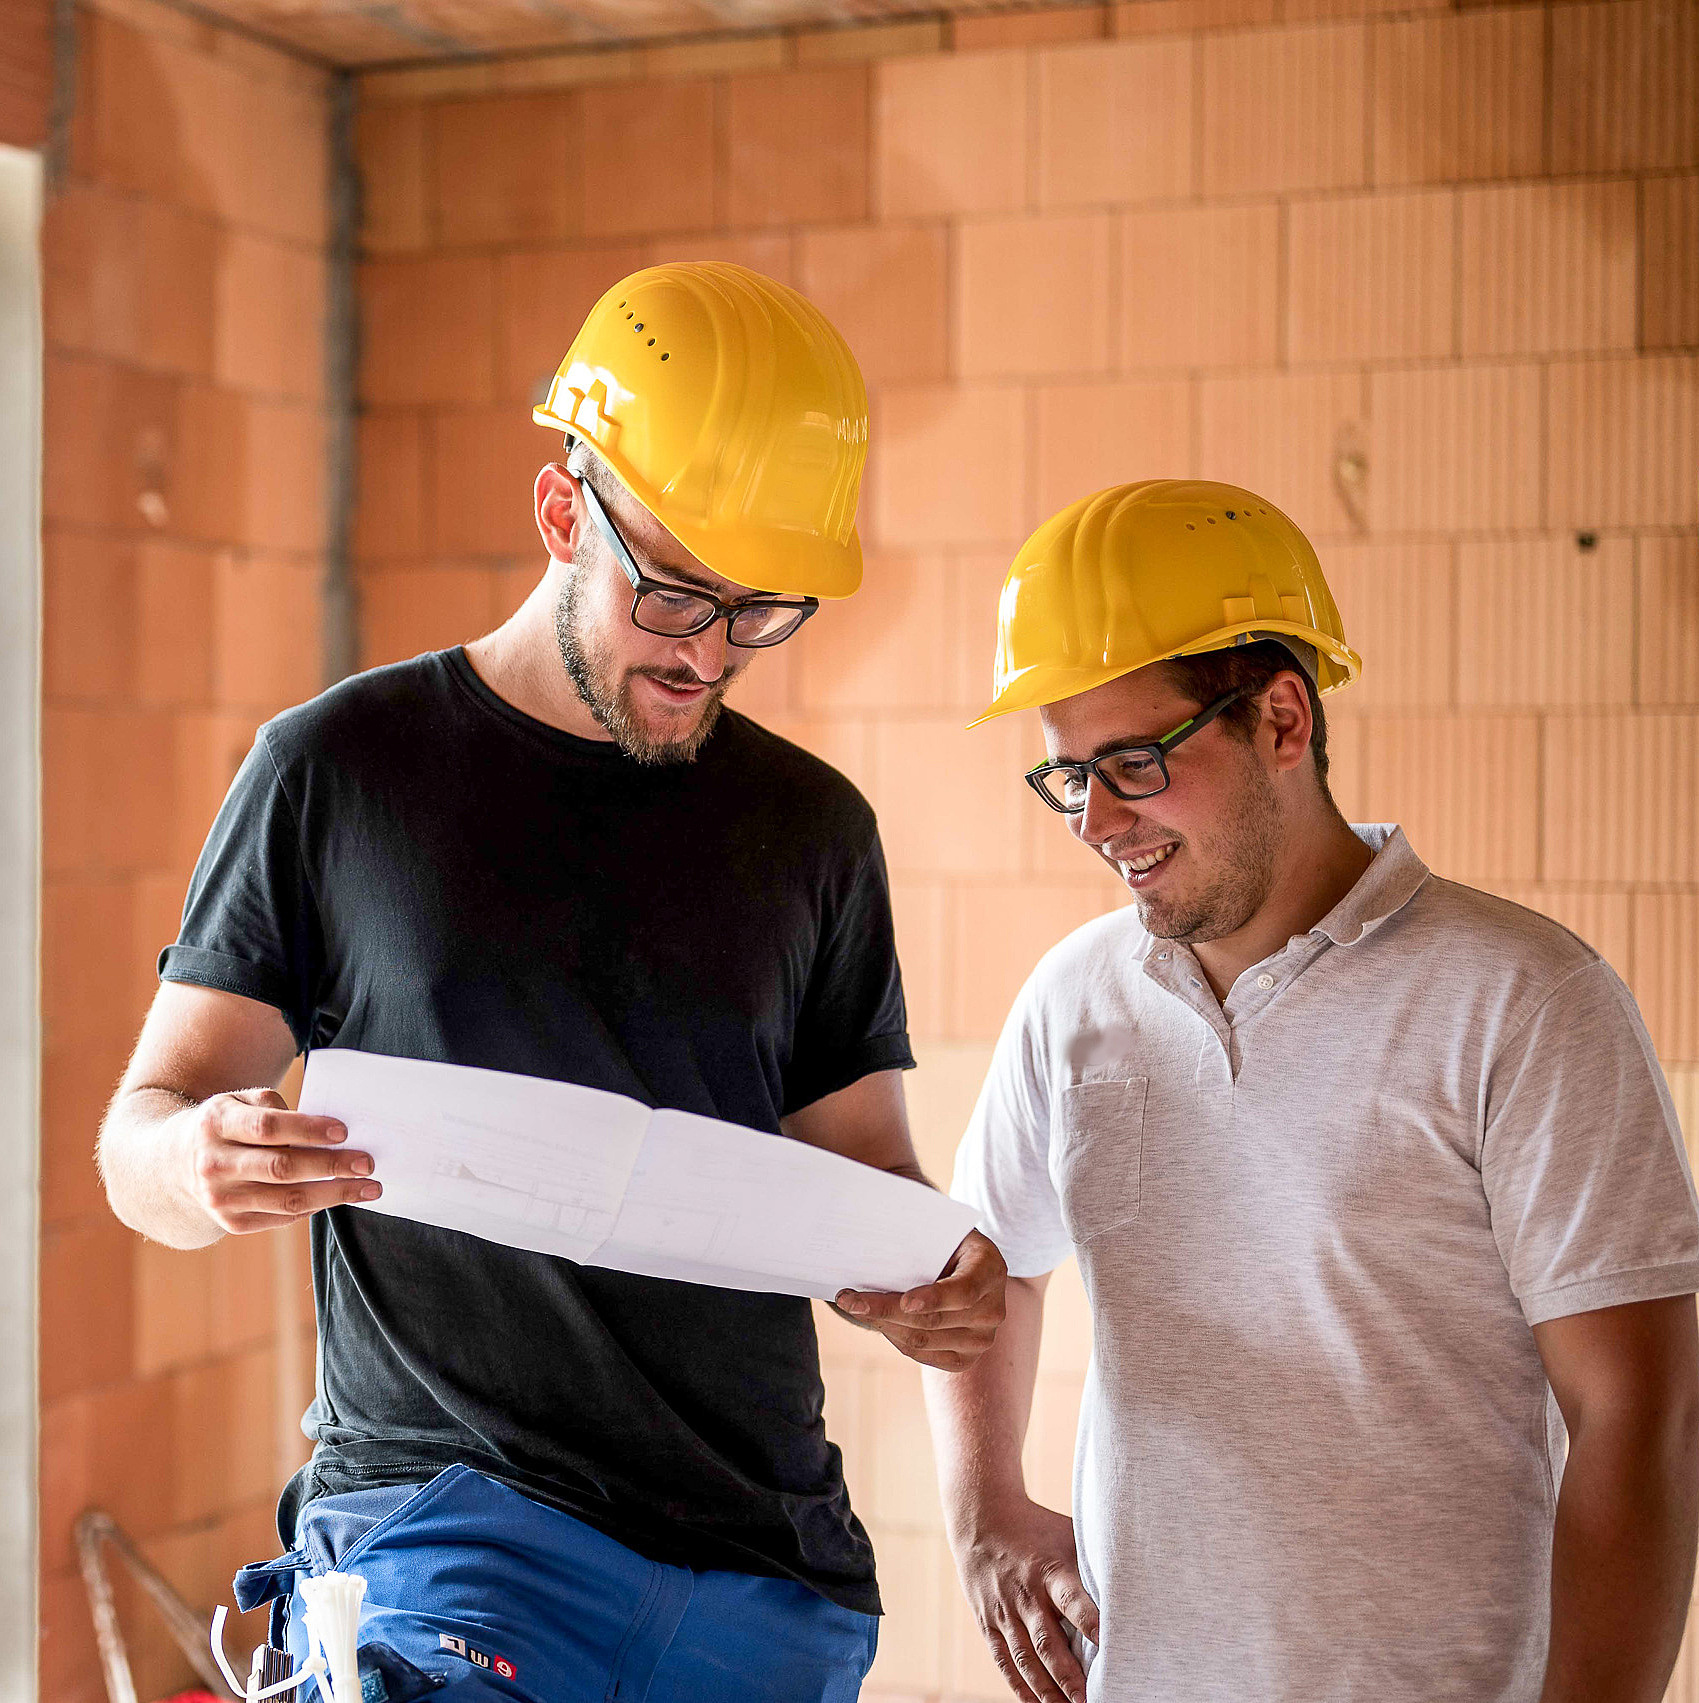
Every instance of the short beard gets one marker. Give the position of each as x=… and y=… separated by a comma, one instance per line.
x=1244, y=861
x=609, y=701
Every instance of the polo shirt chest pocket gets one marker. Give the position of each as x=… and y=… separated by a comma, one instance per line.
x=1101, y=1149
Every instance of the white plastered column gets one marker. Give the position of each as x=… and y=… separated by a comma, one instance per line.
x=20, y=874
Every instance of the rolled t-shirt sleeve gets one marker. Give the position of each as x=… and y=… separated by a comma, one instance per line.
x=853, y=1020
x=1586, y=1178
x=250, y=923
x=1003, y=1163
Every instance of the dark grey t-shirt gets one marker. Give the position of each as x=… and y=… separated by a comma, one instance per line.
x=409, y=865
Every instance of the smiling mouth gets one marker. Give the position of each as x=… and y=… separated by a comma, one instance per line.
x=1135, y=870
x=675, y=693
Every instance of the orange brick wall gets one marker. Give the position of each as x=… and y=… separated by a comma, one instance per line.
x=26, y=73
x=1425, y=277
x=183, y=538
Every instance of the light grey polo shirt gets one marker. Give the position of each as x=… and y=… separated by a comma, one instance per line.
x=1317, y=1456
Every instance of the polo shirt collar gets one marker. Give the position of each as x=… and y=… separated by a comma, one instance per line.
x=1382, y=890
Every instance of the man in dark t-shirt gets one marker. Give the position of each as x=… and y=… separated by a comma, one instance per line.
x=551, y=851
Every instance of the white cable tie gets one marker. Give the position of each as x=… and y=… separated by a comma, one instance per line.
x=313, y=1669
x=320, y=1666
x=218, y=1655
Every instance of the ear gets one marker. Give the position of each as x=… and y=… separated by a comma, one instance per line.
x=1286, y=721
x=560, y=512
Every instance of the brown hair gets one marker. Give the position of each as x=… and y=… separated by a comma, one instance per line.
x=1213, y=673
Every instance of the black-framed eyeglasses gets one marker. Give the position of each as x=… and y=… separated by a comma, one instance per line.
x=675, y=613
x=1136, y=771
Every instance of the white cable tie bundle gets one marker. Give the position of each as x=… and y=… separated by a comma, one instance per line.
x=332, y=1601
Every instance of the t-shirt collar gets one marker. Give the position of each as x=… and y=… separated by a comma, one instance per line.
x=1382, y=890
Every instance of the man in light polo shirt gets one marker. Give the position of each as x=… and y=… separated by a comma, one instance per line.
x=1362, y=1168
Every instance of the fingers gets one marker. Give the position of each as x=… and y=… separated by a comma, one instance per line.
x=947, y=1341
x=867, y=1306
x=945, y=1351
x=975, y=1275
x=1021, y=1573
x=980, y=1301
x=1045, y=1619
x=256, y=1165
x=267, y=1200
x=1074, y=1601
x=240, y=1206
x=982, y=1310
x=240, y=1162
x=947, y=1324
x=1038, y=1648
x=264, y=1119
x=1005, y=1661
x=1051, y=1670
x=948, y=1294
x=975, y=1268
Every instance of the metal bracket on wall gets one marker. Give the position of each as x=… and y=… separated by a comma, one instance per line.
x=1351, y=473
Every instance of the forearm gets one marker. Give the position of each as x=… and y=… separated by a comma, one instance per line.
x=1622, y=1559
x=138, y=1153
x=979, y=1416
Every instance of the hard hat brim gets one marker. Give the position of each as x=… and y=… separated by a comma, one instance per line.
x=1033, y=688
x=769, y=559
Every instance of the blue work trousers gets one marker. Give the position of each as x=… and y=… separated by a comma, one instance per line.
x=507, y=1598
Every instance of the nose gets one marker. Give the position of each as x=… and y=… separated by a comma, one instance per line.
x=1105, y=816
x=705, y=652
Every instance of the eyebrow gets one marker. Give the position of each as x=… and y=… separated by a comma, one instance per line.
x=687, y=577
x=684, y=576
x=1120, y=743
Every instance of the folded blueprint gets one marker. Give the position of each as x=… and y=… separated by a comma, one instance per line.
x=604, y=1180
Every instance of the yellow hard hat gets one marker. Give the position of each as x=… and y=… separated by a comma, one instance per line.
x=1164, y=568
x=730, y=408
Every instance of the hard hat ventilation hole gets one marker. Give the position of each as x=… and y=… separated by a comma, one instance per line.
x=1190, y=527
x=1231, y=515
x=1210, y=518
x=638, y=326
x=622, y=304
x=651, y=342
x=665, y=357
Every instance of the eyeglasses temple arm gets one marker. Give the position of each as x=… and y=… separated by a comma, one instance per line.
x=605, y=525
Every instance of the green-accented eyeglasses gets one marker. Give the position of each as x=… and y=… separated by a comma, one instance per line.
x=675, y=613
x=1136, y=771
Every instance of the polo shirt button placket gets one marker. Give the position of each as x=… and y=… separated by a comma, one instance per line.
x=1218, y=1068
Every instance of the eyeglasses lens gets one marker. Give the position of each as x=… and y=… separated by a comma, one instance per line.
x=1130, y=774
x=674, y=613
x=765, y=624
x=1133, y=774
x=1066, y=787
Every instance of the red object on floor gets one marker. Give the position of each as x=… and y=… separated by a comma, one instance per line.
x=190, y=1697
